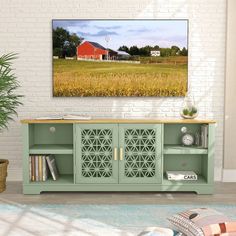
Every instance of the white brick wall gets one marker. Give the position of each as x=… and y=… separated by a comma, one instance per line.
x=25, y=27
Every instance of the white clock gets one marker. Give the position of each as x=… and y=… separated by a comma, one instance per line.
x=187, y=138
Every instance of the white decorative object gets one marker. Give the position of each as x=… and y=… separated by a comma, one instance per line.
x=189, y=109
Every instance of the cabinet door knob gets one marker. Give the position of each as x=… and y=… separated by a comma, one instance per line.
x=115, y=154
x=121, y=154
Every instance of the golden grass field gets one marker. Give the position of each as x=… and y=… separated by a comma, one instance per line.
x=155, y=78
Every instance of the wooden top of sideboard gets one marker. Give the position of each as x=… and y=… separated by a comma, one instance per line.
x=121, y=121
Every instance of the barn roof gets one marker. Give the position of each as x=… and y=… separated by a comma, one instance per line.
x=97, y=45
x=123, y=53
x=111, y=50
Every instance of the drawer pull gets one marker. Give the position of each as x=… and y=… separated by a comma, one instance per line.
x=115, y=154
x=121, y=154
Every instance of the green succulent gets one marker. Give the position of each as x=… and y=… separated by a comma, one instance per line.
x=191, y=113
x=185, y=111
x=194, y=110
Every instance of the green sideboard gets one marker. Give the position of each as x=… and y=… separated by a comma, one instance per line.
x=118, y=155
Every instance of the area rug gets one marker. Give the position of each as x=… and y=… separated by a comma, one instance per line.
x=89, y=220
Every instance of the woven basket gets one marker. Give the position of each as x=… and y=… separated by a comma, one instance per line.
x=3, y=174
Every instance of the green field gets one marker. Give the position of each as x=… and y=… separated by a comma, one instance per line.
x=166, y=77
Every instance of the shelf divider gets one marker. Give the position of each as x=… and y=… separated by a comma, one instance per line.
x=62, y=179
x=178, y=149
x=51, y=149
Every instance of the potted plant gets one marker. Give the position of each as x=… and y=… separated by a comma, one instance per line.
x=189, y=109
x=9, y=101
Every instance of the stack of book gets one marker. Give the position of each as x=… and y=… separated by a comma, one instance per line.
x=204, y=136
x=40, y=166
x=181, y=175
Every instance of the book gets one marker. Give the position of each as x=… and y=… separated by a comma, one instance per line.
x=52, y=166
x=181, y=175
x=76, y=117
x=65, y=117
x=45, y=168
x=40, y=168
x=204, y=136
x=36, y=168
x=32, y=168
x=30, y=171
x=52, y=117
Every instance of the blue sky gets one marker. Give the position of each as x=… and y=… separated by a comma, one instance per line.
x=164, y=33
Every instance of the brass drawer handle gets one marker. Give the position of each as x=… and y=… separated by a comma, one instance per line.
x=115, y=154
x=121, y=154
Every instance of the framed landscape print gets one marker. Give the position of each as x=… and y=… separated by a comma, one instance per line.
x=120, y=58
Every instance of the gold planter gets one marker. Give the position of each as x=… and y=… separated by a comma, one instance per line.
x=3, y=174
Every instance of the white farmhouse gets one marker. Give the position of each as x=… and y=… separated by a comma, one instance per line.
x=155, y=53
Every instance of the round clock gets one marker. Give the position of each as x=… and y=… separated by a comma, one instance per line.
x=187, y=138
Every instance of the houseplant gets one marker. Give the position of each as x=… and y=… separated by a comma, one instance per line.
x=189, y=109
x=9, y=101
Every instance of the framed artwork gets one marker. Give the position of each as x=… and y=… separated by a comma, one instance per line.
x=112, y=58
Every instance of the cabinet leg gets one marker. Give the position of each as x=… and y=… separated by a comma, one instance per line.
x=31, y=190
x=205, y=191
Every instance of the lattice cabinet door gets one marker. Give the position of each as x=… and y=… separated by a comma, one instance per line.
x=140, y=153
x=96, y=153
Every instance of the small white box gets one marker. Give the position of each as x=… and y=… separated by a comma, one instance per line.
x=181, y=175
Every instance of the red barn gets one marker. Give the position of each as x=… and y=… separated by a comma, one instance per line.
x=91, y=50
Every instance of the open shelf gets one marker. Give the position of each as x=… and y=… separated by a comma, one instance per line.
x=201, y=180
x=51, y=149
x=51, y=139
x=65, y=167
x=178, y=149
x=62, y=179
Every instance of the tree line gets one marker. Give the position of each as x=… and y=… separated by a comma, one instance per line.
x=65, y=43
x=146, y=51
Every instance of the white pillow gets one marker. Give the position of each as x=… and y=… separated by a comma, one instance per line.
x=158, y=231
x=203, y=222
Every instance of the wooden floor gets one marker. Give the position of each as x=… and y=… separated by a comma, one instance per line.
x=225, y=193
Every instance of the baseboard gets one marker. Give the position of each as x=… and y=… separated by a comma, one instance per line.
x=14, y=174
x=217, y=174
x=229, y=175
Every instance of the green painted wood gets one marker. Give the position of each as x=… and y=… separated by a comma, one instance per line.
x=191, y=162
x=172, y=132
x=95, y=146
x=177, y=149
x=25, y=134
x=63, y=179
x=201, y=188
x=31, y=134
x=162, y=154
x=142, y=151
x=74, y=151
x=67, y=147
x=52, y=133
x=209, y=172
x=51, y=149
x=65, y=164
